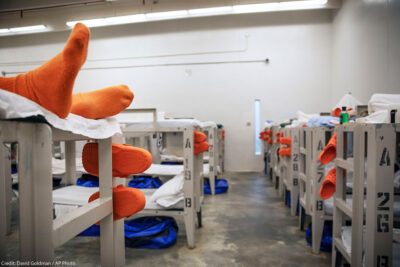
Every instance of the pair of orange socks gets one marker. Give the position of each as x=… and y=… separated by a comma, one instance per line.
x=126, y=160
x=126, y=201
x=51, y=84
x=200, y=143
x=287, y=141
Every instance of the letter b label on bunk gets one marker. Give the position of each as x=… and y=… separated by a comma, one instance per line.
x=188, y=175
x=188, y=202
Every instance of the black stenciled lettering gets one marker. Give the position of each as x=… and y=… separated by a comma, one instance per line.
x=386, y=198
x=382, y=223
x=382, y=261
x=188, y=143
x=188, y=202
x=385, y=158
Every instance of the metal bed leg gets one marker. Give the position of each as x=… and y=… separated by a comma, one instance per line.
x=35, y=187
x=8, y=186
x=109, y=241
x=199, y=222
x=70, y=162
x=317, y=226
x=301, y=218
x=3, y=200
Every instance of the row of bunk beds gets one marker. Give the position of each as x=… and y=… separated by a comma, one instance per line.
x=168, y=140
x=363, y=208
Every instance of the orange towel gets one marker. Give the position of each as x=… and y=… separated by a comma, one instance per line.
x=199, y=137
x=102, y=103
x=126, y=201
x=328, y=186
x=286, y=141
x=201, y=147
x=126, y=159
x=285, y=151
x=50, y=85
x=329, y=152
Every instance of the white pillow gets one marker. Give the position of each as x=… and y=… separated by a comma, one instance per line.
x=170, y=188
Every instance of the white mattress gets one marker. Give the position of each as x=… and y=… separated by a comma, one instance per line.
x=171, y=170
x=346, y=239
x=329, y=206
x=71, y=197
x=208, y=124
x=58, y=166
x=164, y=124
x=173, y=158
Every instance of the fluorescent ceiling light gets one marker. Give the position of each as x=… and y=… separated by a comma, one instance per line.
x=211, y=10
x=302, y=4
x=256, y=8
x=4, y=30
x=126, y=19
x=168, y=14
x=27, y=28
x=222, y=10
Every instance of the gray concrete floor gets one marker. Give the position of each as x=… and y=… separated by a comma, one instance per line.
x=248, y=226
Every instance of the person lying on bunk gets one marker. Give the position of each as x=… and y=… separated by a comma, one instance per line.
x=51, y=85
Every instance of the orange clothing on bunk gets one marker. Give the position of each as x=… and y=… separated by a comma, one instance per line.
x=102, y=103
x=269, y=141
x=126, y=159
x=50, y=85
x=285, y=151
x=268, y=132
x=286, y=141
x=329, y=152
x=328, y=186
x=223, y=134
x=199, y=137
x=200, y=147
x=126, y=201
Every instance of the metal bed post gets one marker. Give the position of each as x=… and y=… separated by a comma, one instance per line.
x=294, y=170
x=317, y=173
x=5, y=187
x=340, y=207
x=38, y=233
x=70, y=162
x=188, y=186
x=304, y=175
x=379, y=213
x=212, y=155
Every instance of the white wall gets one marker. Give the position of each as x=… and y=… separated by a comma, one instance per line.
x=366, y=49
x=298, y=45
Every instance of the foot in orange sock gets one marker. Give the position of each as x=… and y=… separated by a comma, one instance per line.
x=126, y=159
x=329, y=152
x=328, y=186
x=201, y=147
x=126, y=201
x=51, y=84
x=102, y=103
x=199, y=137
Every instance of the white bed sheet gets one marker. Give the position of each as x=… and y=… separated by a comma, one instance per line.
x=22, y=107
x=164, y=124
x=171, y=170
x=173, y=158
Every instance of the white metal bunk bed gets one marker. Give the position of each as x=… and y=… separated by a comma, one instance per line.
x=376, y=144
x=192, y=167
x=221, y=148
x=39, y=234
x=312, y=174
x=211, y=130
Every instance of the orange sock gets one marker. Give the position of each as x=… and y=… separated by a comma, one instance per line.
x=126, y=159
x=126, y=201
x=201, y=147
x=199, y=137
x=285, y=152
x=102, y=103
x=286, y=141
x=329, y=152
x=223, y=134
x=51, y=84
x=328, y=186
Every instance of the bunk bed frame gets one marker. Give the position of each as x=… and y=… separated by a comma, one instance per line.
x=39, y=234
x=378, y=142
x=193, y=174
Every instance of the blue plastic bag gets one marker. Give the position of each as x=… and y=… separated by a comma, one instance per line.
x=221, y=186
x=88, y=180
x=153, y=232
x=326, y=241
x=145, y=182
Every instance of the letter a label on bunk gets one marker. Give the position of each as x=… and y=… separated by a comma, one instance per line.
x=385, y=158
x=188, y=143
